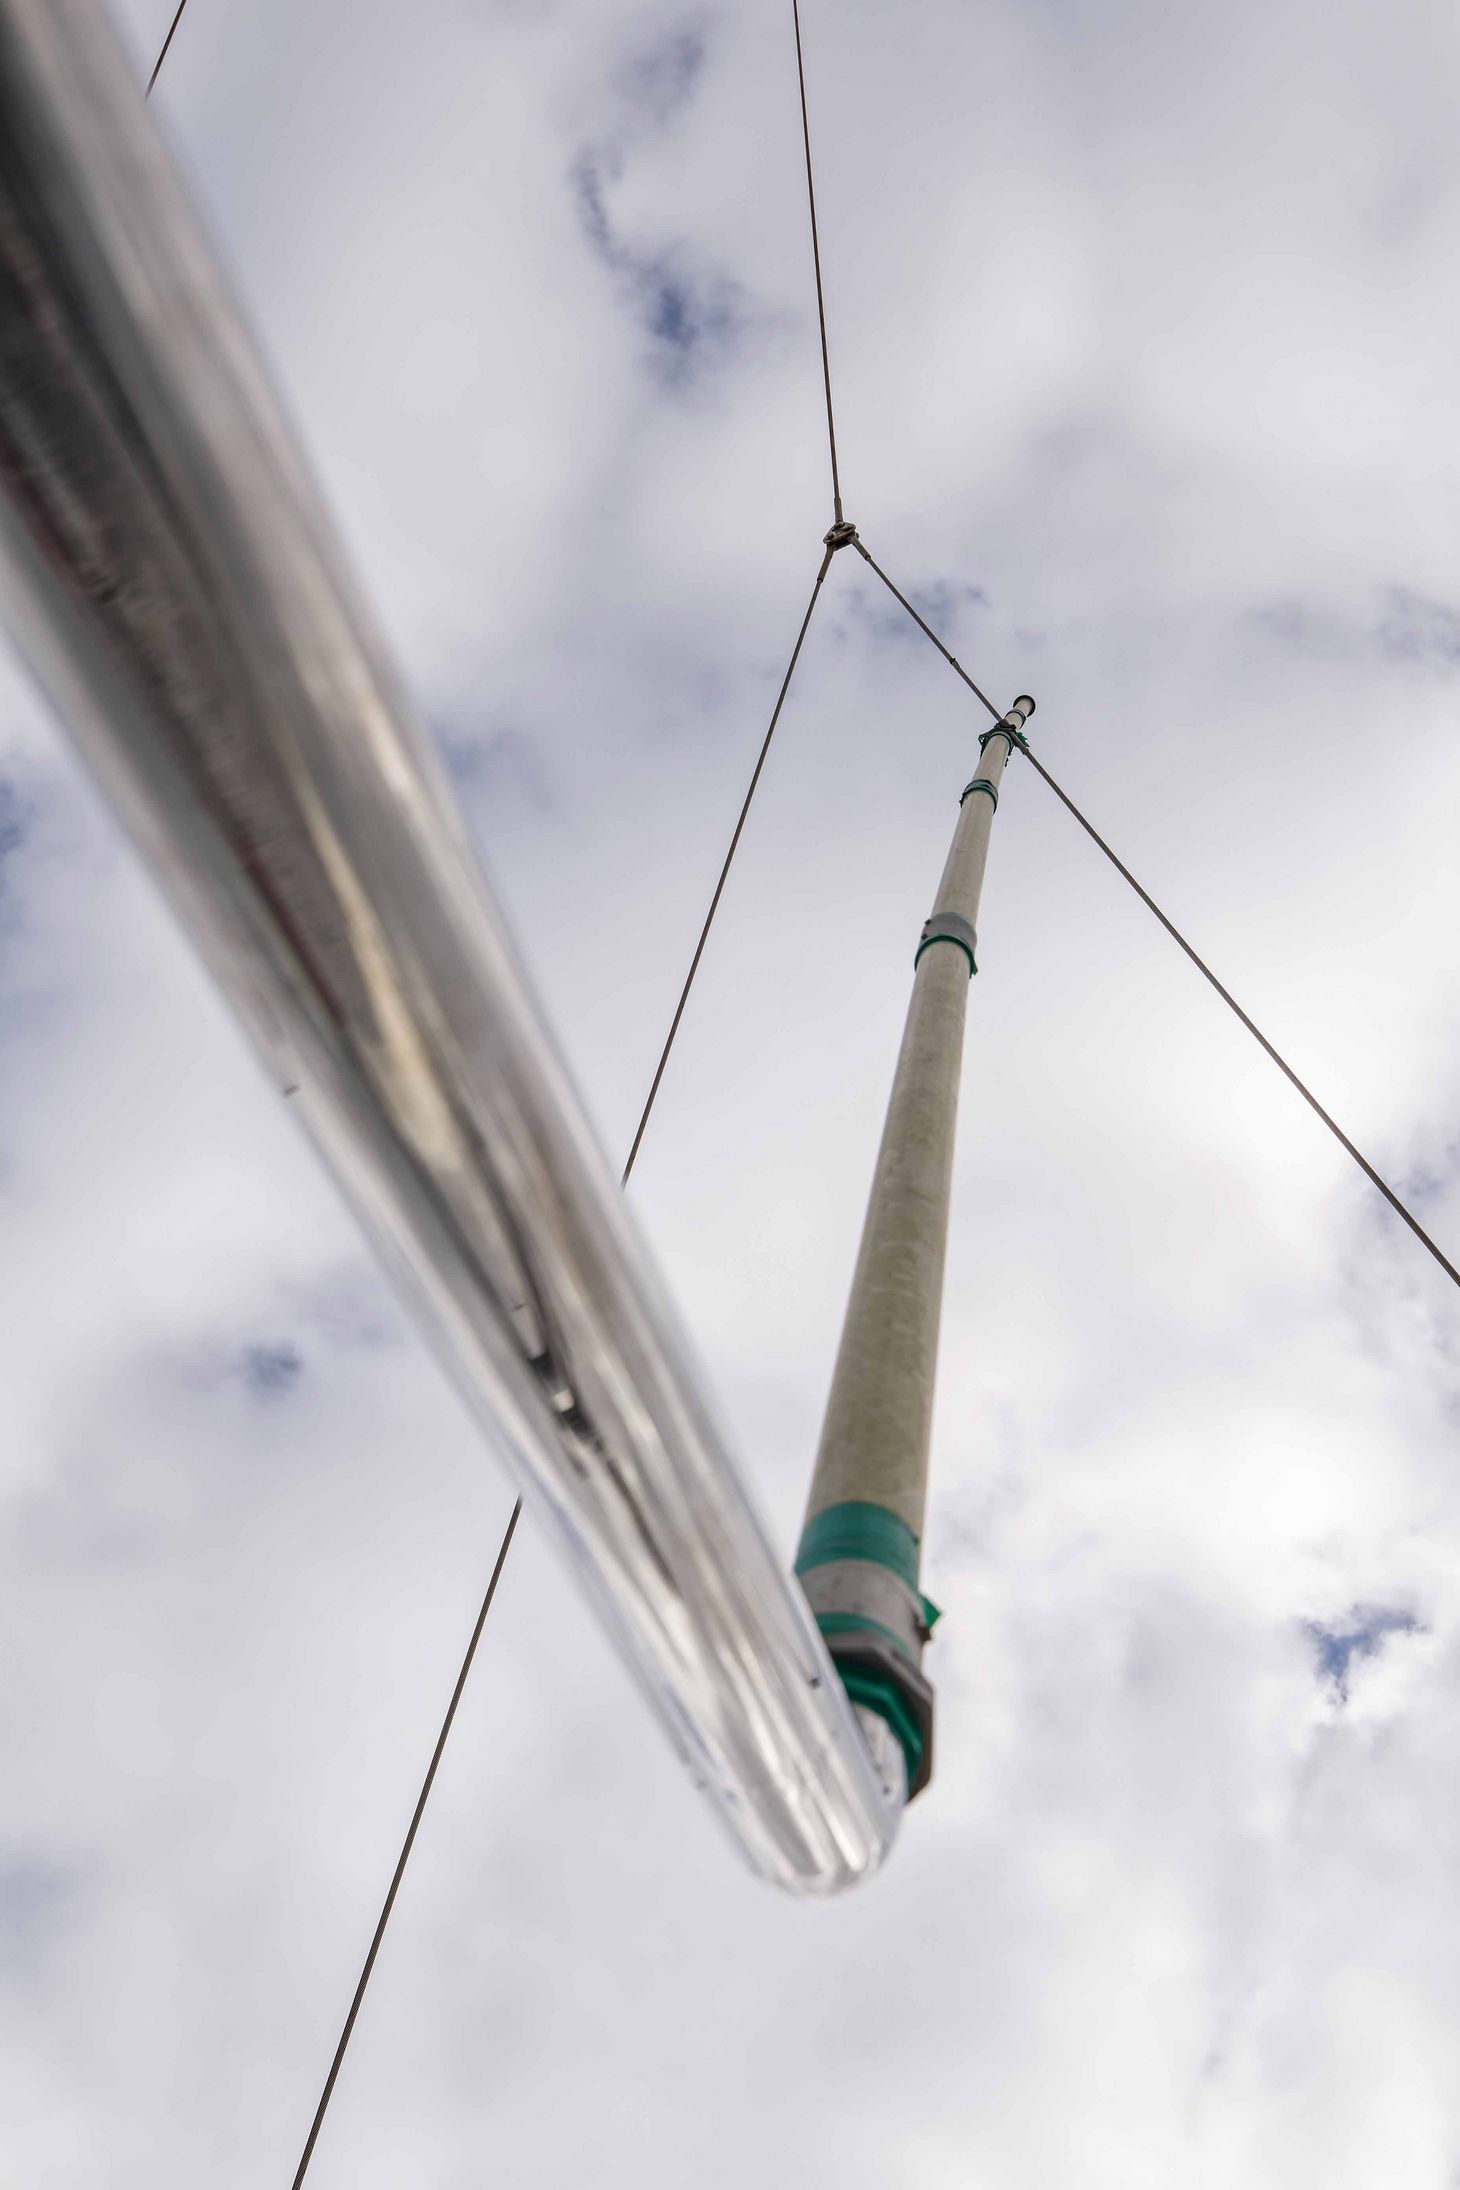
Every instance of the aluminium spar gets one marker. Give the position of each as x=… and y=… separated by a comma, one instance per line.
x=178, y=589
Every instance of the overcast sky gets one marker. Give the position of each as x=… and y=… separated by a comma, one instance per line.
x=1146, y=338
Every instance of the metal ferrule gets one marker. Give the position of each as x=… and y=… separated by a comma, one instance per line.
x=853, y=1592
x=949, y=927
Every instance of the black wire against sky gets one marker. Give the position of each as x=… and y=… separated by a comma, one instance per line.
x=162, y=56
x=699, y=951
x=836, y=485
x=1254, y=1030
x=1197, y=960
x=951, y=659
x=404, y=1857
x=649, y=1101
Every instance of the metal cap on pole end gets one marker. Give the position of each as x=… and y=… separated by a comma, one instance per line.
x=889, y=1759
x=1023, y=707
x=877, y=1678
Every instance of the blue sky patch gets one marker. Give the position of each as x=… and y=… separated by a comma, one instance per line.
x=691, y=317
x=17, y=818
x=663, y=77
x=943, y=604
x=35, y=1893
x=1417, y=630
x=271, y=1370
x=1362, y=1634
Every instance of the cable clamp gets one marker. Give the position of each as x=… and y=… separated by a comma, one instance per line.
x=1005, y=729
x=842, y=534
x=980, y=783
x=949, y=927
x=1012, y=726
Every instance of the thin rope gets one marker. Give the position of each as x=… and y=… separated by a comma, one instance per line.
x=466, y=1663
x=410, y=1840
x=1198, y=961
x=659, y=1070
x=836, y=485
x=694, y=964
x=952, y=659
x=167, y=41
x=1253, y=1029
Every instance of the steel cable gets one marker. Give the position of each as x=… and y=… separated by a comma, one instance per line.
x=836, y=485
x=699, y=951
x=1253, y=1029
x=162, y=56
x=927, y=628
x=404, y=1857
x=461, y=1678
x=1374, y=1177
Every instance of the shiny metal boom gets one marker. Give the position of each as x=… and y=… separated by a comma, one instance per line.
x=171, y=577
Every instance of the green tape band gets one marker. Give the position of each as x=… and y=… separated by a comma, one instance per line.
x=1005, y=730
x=981, y=783
x=857, y=1529
x=958, y=944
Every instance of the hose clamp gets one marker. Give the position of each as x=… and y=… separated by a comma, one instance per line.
x=949, y=927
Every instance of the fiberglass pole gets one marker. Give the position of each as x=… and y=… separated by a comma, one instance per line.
x=859, y=1551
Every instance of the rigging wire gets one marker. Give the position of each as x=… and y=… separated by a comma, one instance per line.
x=476, y=1635
x=1254, y=1030
x=836, y=485
x=694, y=964
x=167, y=41
x=466, y=1663
x=1373, y=1177
x=952, y=659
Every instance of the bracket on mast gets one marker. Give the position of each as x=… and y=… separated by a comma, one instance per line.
x=1011, y=726
x=949, y=927
x=842, y=534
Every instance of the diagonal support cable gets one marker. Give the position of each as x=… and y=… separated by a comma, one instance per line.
x=659, y=1071
x=928, y=630
x=461, y=1678
x=1374, y=1178
x=1253, y=1029
x=410, y=1840
x=836, y=485
x=699, y=951
x=162, y=56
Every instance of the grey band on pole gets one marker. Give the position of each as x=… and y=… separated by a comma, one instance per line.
x=950, y=927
